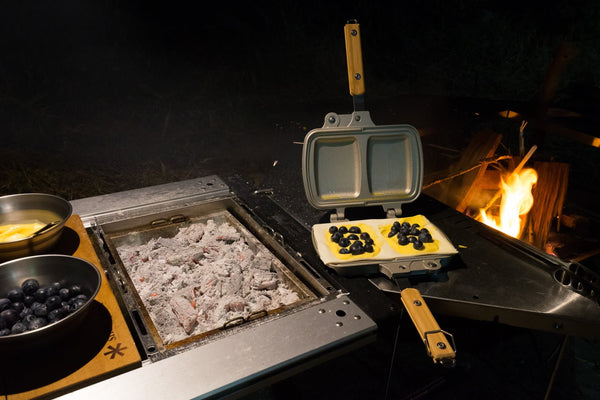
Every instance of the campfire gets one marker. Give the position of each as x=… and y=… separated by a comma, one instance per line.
x=516, y=200
x=517, y=195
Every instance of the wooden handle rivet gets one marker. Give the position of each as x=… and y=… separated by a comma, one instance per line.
x=354, y=32
x=441, y=345
x=417, y=302
x=357, y=76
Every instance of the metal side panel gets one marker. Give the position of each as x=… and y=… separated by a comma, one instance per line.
x=497, y=279
x=113, y=206
x=238, y=361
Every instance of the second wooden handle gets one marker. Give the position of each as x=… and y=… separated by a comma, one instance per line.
x=434, y=338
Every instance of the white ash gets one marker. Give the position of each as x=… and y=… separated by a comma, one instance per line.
x=203, y=277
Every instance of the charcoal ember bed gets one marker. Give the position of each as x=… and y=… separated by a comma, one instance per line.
x=194, y=278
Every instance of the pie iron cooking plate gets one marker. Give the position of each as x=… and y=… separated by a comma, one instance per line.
x=388, y=257
x=351, y=162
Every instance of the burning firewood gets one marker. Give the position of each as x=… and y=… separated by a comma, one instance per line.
x=458, y=191
x=549, y=196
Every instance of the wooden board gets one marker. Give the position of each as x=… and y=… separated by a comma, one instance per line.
x=119, y=354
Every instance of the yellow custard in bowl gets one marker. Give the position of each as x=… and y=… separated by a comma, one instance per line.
x=12, y=232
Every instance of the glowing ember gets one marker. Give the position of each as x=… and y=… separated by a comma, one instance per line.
x=516, y=202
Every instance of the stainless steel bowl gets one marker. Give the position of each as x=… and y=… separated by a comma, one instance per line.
x=19, y=208
x=48, y=269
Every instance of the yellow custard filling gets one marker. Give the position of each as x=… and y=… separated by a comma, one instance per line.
x=335, y=247
x=12, y=232
x=409, y=248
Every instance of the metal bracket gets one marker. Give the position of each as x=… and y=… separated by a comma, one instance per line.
x=400, y=269
x=242, y=320
x=332, y=120
x=357, y=119
x=393, y=212
x=360, y=119
x=274, y=234
x=175, y=219
x=338, y=215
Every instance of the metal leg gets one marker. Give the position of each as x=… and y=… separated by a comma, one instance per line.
x=393, y=358
x=556, y=366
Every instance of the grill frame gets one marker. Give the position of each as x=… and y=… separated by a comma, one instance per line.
x=246, y=357
x=111, y=234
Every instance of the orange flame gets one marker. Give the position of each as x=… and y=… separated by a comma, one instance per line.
x=516, y=202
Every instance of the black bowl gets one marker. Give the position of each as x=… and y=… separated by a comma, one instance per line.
x=47, y=269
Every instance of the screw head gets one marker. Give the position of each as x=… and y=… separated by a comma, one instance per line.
x=357, y=76
x=353, y=32
x=417, y=303
x=441, y=345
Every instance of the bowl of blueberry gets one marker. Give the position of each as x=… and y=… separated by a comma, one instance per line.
x=44, y=296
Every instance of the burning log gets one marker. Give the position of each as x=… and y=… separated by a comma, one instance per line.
x=549, y=195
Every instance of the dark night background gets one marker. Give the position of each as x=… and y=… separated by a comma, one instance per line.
x=100, y=96
x=108, y=95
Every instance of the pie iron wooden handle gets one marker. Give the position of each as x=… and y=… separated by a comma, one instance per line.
x=435, y=339
x=354, y=58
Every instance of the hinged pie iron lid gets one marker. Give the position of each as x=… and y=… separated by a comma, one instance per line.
x=350, y=162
